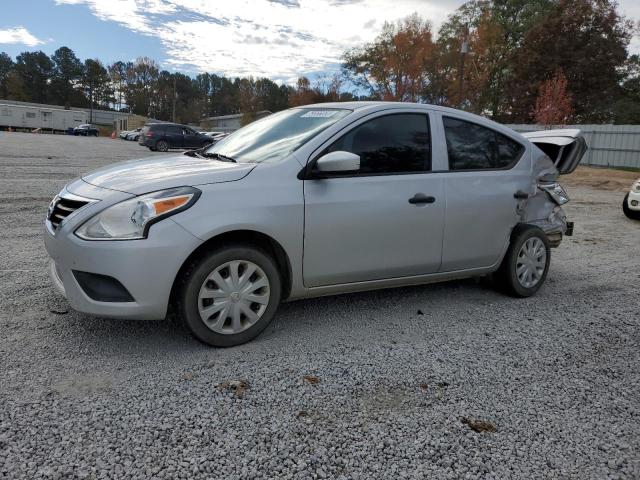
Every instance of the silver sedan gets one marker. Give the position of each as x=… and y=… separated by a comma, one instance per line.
x=316, y=200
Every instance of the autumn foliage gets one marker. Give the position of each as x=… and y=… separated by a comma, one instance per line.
x=553, y=105
x=395, y=66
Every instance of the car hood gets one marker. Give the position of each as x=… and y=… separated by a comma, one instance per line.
x=148, y=175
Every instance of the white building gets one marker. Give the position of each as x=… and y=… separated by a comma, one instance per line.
x=108, y=120
x=228, y=123
x=45, y=117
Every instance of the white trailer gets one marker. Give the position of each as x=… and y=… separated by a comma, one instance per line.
x=32, y=117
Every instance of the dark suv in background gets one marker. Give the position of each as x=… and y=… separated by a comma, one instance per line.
x=163, y=136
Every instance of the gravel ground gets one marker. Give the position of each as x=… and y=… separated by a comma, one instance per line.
x=389, y=384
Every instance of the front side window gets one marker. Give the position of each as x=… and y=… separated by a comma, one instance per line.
x=398, y=143
x=473, y=147
x=277, y=136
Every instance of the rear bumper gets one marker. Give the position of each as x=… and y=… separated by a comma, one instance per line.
x=555, y=226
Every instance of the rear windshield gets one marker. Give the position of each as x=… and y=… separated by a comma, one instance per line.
x=277, y=136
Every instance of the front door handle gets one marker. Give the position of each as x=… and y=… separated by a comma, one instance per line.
x=420, y=198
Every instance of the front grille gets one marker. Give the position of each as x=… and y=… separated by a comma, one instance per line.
x=62, y=207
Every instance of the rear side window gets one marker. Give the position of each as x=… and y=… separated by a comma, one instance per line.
x=398, y=143
x=173, y=130
x=473, y=147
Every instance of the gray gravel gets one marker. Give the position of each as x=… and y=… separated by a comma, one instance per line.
x=556, y=375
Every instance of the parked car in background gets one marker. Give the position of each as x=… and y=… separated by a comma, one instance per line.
x=123, y=134
x=133, y=135
x=86, y=130
x=631, y=203
x=164, y=136
x=311, y=201
x=220, y=136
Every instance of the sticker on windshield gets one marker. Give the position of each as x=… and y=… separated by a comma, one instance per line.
x=319, y=114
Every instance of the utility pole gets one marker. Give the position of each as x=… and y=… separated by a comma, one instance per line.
x=174, y=99
x=91, y=101
x=464, y=49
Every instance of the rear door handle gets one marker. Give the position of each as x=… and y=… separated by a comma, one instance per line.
x=420, y=198
x=520, y=195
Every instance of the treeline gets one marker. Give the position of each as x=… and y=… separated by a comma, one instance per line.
x=141, y=87
x=516, y=61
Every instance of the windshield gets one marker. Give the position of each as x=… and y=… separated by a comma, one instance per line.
x=276, y=136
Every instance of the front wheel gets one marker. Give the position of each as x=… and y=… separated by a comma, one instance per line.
x=632, y=214
x=526, y=263
x=229, y=296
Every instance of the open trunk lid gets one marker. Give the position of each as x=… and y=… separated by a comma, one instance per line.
x=565, y=147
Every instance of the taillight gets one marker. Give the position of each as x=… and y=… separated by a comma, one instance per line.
x=555, y=191
x=149, y=134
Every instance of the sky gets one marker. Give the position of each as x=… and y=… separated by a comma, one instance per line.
x=278, y=39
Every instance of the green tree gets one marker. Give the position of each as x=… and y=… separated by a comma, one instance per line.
x=6, y=67
x=35, y=70
x=117, y=76
x=626, y=109
x=96, y=84
x=588, y=40
x=495, y=32
x=66, y=75
x=141, y=78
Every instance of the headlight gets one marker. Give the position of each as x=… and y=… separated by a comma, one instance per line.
x=636, y=187
x=131, y=219
x=555, y=191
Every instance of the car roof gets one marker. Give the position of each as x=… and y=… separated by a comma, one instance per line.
x=167, y=124
x=380, y=105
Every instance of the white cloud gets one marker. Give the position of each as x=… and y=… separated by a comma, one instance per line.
x=19, y=35
x=280, y=39
x=275, y=38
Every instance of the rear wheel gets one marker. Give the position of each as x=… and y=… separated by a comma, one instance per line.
x=162, y=146
x=526, y=263
x=229, y=296
x=632, y=214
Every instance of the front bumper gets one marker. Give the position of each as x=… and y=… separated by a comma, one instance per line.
x=634, y=197
x=146, y=268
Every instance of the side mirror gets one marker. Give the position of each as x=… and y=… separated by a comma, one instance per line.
x=338, y=162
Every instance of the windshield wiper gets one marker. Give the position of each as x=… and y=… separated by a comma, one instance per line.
x=219, y=156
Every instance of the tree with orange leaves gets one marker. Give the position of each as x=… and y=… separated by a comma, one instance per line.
x=553, y=105
x=393, y=66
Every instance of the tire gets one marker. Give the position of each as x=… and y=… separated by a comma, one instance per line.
x=196, y=283
x=525, y=265
x=162, y=146
x=631, y=214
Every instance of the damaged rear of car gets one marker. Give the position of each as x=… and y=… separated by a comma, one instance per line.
x=554, y=153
